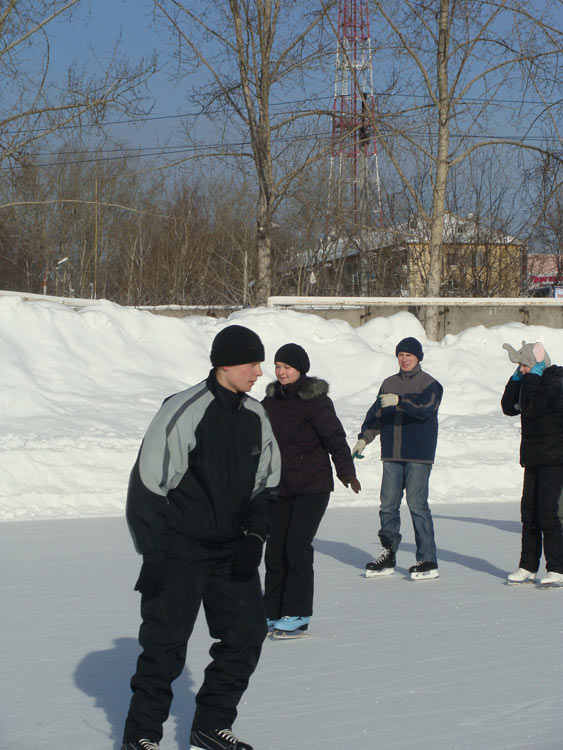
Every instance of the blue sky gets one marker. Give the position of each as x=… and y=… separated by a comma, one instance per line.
x=97, y=27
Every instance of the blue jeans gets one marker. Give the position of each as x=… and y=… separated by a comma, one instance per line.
x=412, y=477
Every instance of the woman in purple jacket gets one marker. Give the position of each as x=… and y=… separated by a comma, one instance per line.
x=308, y=432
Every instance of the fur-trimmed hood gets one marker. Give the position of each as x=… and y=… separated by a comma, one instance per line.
x=307, y=388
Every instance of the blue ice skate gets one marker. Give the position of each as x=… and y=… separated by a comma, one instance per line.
x=290, y=627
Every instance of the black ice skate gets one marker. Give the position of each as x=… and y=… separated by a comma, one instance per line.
x=216, y=739
x=423, y=571
x=140, y=745
x=383, y=566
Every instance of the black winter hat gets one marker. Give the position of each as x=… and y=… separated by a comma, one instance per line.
x=295, y=356
x=412, y=346
x=236, y=345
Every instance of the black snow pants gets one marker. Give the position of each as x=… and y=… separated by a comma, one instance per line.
x=289, y=581
x=542, y=518
x=234, y=611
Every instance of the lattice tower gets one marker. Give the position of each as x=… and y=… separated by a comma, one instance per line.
x=354, y=186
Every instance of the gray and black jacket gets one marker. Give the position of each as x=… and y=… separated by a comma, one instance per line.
x=208, y=469
x=409, y=431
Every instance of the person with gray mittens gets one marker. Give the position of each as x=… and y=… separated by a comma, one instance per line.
x=405, y=415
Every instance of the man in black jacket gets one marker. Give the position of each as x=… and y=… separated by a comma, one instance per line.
x=535, y=391
x=198, y=508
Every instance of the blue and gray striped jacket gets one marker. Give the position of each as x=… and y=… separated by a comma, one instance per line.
x=409, y=431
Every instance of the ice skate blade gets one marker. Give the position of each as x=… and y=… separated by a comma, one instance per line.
x=385, y=573
x=521, y=583
x=549, y=586
x=288, y=635
x=430, y=575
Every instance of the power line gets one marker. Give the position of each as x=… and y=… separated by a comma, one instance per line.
x=152, y=151
x=206, y=112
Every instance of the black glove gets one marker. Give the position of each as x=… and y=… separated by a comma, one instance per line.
x=351, y=482
x=152, y=577
x=247, y=557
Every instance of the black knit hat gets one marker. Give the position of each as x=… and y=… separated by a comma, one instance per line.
x=412, y=346
x=236, y=345
x=295, y=356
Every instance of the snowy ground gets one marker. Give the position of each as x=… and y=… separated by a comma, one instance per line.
x=78, y=390
x=461, y=663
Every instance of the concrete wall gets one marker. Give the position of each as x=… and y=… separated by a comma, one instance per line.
x=456, y=314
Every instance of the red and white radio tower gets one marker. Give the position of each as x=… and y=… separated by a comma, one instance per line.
x=354, y=188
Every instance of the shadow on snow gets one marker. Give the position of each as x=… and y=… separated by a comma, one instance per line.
x=105, y=676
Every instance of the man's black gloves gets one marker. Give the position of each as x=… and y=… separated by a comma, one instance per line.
x=152, y=577
x=247, y=557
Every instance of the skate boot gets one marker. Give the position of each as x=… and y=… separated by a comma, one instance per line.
x=216, y=739
x=270, y=624
x=140, y=745
x=551, y=579
x=520, y=576
x=384, y=565
x=423, y=571
x=290, y=627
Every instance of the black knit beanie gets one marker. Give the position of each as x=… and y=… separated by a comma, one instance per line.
x=412, y=346
x=295, y=356
x=236, y=345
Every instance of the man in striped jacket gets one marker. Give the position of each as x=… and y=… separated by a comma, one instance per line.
x=405, y=414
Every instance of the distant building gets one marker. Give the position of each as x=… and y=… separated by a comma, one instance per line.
x=478, y=261
x=544, y=274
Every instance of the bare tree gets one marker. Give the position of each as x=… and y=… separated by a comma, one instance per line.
x=34, y=107
x=252, y=52
x=466, y=74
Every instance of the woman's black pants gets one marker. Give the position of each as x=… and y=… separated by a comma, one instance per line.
x=542, y=518
x=289, y=581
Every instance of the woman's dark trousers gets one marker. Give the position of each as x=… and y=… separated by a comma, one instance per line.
x=235, y=616
x=289, y=581
x=542, y=518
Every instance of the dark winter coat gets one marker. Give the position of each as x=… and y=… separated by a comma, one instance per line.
x=409, y=431
x=207, y=469
x=307, y=431
x=539, y=401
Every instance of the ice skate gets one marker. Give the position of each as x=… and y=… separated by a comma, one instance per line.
x=520, y=576
x=288, y=628
x=384, y=565
x=551, y=580
x=216, y=739
x=423, y=571
x=140, y=745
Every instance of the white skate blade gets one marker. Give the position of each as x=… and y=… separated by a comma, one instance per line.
x=549, y=585
x=427, y=575
x=521, y=583
x=289, y=635
x=379, y=573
